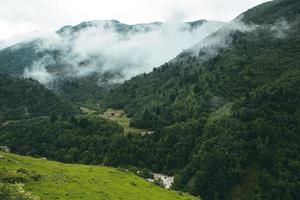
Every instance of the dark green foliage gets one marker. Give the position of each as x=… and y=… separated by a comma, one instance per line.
x=245, y=146
x=253, y=151
x=72, y=139
x=269, y=12
x=80, y=91
x=26, y=98
x=15, y=59
x=180, y=91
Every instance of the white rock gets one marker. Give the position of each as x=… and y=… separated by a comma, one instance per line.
x=167, y=180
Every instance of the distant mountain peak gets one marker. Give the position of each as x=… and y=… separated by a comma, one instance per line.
x=120, y=27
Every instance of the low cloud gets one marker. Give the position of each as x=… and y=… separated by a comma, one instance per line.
x=101, y=49
x=210, y=46
x=280, y=28
x=40, y=73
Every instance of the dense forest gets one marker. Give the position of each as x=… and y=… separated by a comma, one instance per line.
x=72, y=139
x=26, y=98
x=225, y=123
x=245, y=101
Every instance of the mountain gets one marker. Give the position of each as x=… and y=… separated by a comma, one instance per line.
x=26, y=98
x=270, y=12
x=222, y=116
x=36, y=121
x=52, y=180
x=116, y=26
x=104, y=52
x=226, y=111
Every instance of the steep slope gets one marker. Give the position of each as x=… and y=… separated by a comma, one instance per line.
x=231, y=107
x=52, y=180
x=253, y=59
x=270, y=12
x=26, y=98
x=251, y=149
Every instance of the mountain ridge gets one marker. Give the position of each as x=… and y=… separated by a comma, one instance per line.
x=224, y=117
x=97, y=51
x=122, y=27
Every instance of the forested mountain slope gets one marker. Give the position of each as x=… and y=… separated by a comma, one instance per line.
x=36, y=121
x=234, y=114
x=26, y=98
x=271, y=11
x=234, y=72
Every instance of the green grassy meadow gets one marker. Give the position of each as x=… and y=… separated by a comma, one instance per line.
x=118, y=116
x=74, y=181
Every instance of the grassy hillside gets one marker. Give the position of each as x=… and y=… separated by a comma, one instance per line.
x=118, y=116
x=53, y=180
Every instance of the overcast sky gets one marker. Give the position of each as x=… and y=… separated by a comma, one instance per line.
x=21, y=17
